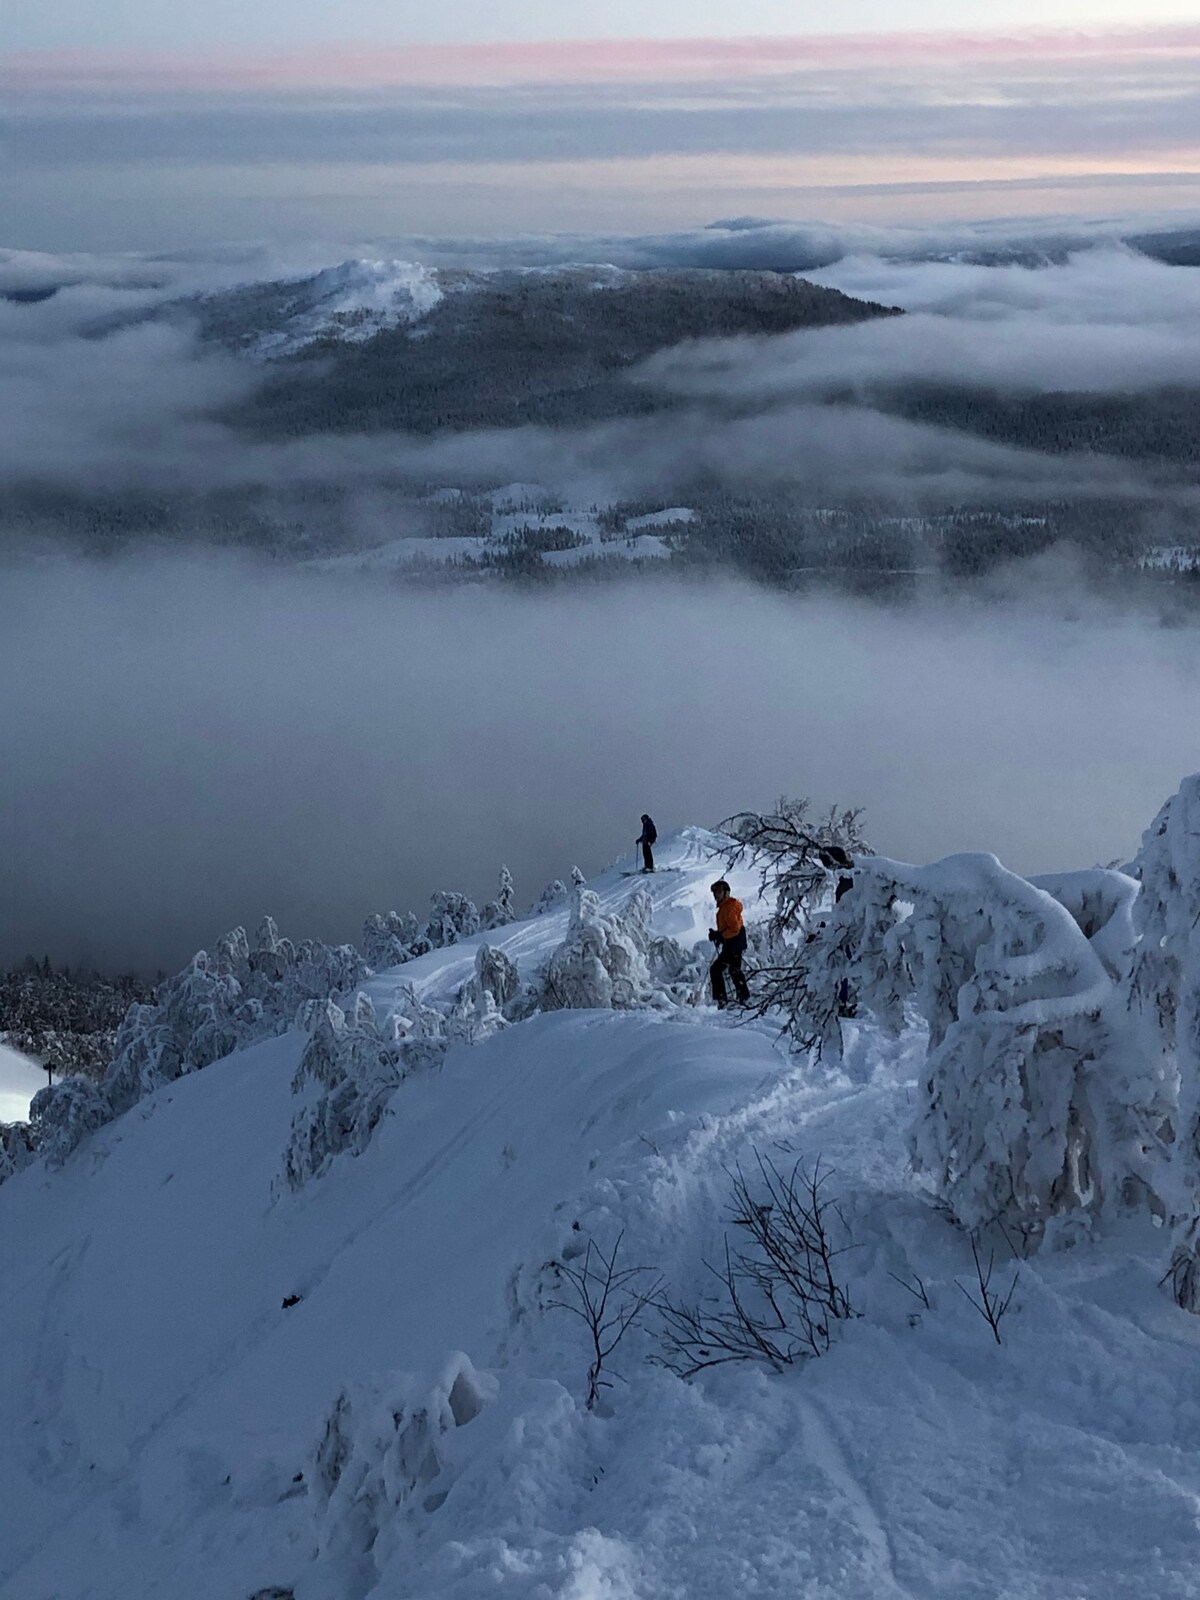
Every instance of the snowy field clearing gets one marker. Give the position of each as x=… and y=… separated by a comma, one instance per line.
x=178, y=1327
x=515, y=516
x=20, y=1080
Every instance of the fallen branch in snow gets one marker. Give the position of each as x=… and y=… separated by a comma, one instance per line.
x=990, y=1305
x=608, y=1301
x=781, y=1298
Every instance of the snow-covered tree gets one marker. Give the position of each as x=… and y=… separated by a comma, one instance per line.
x=348, y=1073
x=602, y=960
x=488, y=1000
x=389, y=940
x=62, y=1115
x=552, y=898
x=1164, y=993
x=16, y=1148
x=1036, y=1108
x=498, y=913
x=451, y=917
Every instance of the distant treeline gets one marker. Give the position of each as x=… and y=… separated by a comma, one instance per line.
x=64, y=1017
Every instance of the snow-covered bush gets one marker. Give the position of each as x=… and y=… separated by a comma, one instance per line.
x=16, y=1148
x=389, y=939
x=602, y=960
x=386, y=1445
x=451, y=917
x=63, y=1114
x=348, y=1073
x=1037, y=1108
x=552, y=898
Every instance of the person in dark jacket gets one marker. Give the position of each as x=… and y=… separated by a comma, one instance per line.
x=648, y=838
x=730, y=937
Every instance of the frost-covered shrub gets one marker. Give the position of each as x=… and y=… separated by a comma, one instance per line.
x=602, y=960
x=389, y=940
x=348, y=1073
x=452, y=917
x=16, y=1148
x=489, y=1000
x=386, y=1446
x=552, y=898
x=63, y=1114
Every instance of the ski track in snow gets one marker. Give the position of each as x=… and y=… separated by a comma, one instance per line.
x=157, y=1403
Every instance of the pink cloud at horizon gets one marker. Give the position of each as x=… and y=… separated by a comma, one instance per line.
x=365, y=66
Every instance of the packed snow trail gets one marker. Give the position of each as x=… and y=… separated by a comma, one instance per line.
x=162, y=1408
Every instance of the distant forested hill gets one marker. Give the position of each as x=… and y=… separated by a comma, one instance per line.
x=543, y=347
x=1163, y=425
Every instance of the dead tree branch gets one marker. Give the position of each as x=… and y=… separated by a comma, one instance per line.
x=779, y=1298
x=609, y=1301
x=990, y=1304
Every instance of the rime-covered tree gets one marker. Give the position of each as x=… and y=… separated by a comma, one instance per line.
x=1164, y=990
x=498, y=913
x=350, y=1069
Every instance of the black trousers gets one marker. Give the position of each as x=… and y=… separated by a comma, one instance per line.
x=647, y=857
x=729, y=959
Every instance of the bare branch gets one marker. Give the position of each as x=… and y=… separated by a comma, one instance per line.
x=779, y=1298
x=608, y=1300
x=918, y=1292
x=991, y=1305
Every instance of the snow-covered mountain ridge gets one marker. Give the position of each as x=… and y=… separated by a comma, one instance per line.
x=363, y=1383
x=352, y=301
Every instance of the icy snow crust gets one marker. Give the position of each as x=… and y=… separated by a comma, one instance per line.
x=413, y=1424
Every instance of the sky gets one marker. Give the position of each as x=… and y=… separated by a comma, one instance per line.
x=137, y=126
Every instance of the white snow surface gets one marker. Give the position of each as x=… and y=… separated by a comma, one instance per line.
x=162, y=1411
x=353, y=301
x=661, y=519
x=515, y=512
x=20, y=1080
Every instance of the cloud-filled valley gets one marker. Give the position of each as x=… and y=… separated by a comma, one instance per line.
x=206, y=734
x=202, y=740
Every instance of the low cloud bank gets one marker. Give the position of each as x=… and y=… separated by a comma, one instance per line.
x=192, y=743
x=105, y=400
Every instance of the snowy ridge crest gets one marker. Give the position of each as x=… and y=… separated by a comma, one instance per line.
x=370, y=1382
x=349, y=303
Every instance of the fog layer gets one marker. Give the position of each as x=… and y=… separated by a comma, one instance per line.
x=190, y=744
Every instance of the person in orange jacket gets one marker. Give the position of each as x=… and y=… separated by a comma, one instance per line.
x=730, y=936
